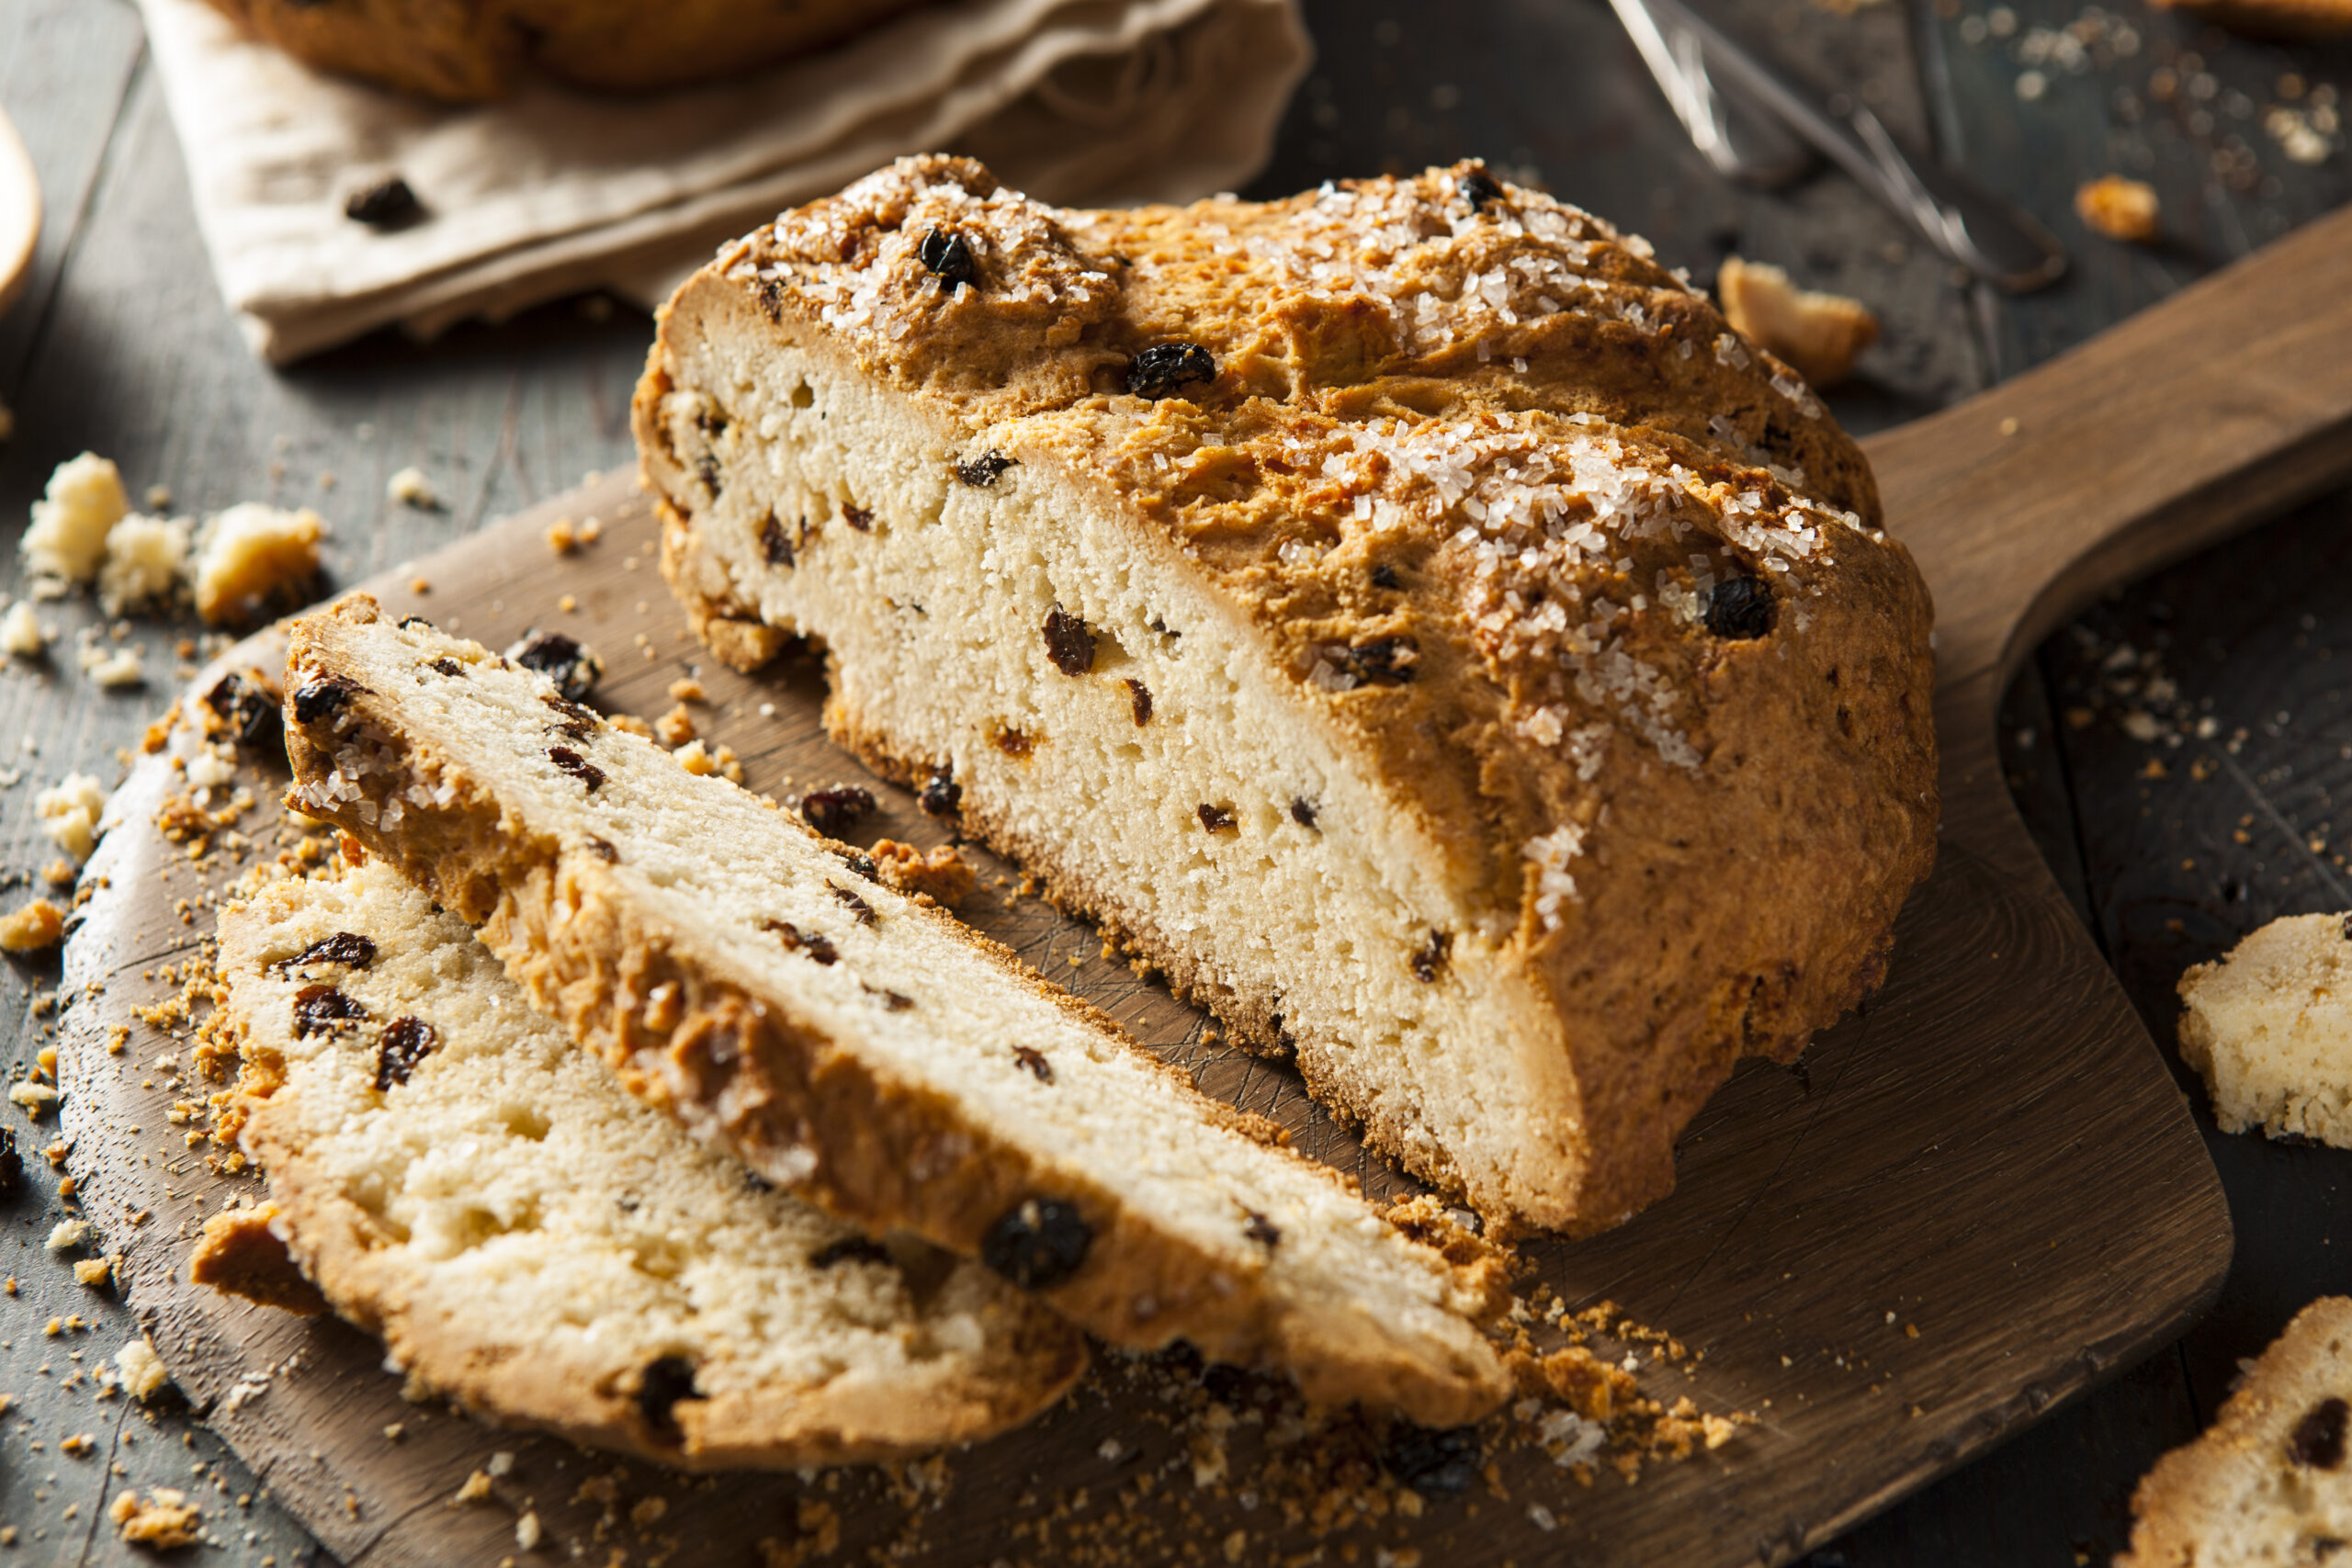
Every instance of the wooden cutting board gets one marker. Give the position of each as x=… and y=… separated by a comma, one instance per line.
x=1994, y=1156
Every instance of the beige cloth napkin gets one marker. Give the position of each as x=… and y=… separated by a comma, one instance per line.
x=550, y=192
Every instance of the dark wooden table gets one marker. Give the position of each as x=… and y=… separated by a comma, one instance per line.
x=2172, y=848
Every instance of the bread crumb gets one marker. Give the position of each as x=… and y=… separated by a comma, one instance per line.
x=475, y=1488
x=241, y=1255
x=124, y=668
x=251, y=557
x=69, y=812
x=411, y=488
x=21, y=633
x=145, y=559
x=629, y=724
x=67, y=537
x=528, y=1532
x=944, y=873
x=164, y=1519
x=2118, y=207
x=93, y=1272
x=675, y=728
x=79, y=1445
x=67, y=1234
x=701, y=760
x=686, y=689
x=143, y=1373
x=1819, y=334
x=32, y=927
x=562, y=538
x=567, y=603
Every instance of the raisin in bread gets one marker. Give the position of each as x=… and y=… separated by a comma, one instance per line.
x=458, y=1176
x=2270, y=1028
x=2266, y=1487
x=467, y=50
x=1406, y=613
x=847, y=1040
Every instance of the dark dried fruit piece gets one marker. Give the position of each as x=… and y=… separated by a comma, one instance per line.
x=1139, y=700
x=1302, y=812
x=858, y=517
x=1034, y=1060
x=942, y=795
x=1478, y=187
x=571, y=664
x=413, y=623
x=1013, y=742
x=347, y=948
x=446, y=666
x=1215, y=818
x=323, y=1010
x=12, y=1165
x=2317, y=1441
x=849, y=1249
x=603, y=850
x=407, y=1042
x=1432, y=1462
x=250, y=713
x=834, y=811
x=323, y=696
x=1037, y=1245
x=1068, y=642
x=1385, y=577
x=578, y=766
x=664, y=1383
x=980, y=472
x=388, y=203
x=776, y=548
x=1429, y=962
x=578, y=722
x=1166, y=368
x=816, y=944
x=1261, y=1230
x=946, y=255
x=1740, y=608
x=856, y=904
x=894, y=1002
x=1388, y=662
x=859, y=861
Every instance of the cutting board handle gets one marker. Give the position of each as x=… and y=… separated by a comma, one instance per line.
x=2222, y=406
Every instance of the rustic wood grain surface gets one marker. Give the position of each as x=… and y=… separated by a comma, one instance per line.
x=121, y=345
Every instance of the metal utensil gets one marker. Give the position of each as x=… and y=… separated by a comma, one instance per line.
x=1732, y=91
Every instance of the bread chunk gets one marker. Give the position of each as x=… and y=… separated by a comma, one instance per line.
x=2266, y=1486
x=459, y=1177
x=465, y=50
x=2270, y=1028
x=1405, y=614
x=854, y=1042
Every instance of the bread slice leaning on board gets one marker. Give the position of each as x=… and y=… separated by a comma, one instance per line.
x=859, y=1046
x=459, y=1177
x=1407, y=613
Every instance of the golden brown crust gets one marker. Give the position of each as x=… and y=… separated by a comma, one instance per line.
x=242, y=1254
x=1497, y=437
x=464, y=51
x=880, y=1152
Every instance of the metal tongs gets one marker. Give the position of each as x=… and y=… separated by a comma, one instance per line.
x=1753, y=124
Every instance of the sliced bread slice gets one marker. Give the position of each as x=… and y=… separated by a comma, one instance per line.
x=848, y=1041
x=2268, y=1485
x=1407, y=612
x=459, y=1177
x=2269, y=1027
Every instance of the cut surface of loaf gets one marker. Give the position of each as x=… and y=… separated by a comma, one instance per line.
x=847, y=1040
x=1406, y=613
x=458, y=1176
x=2266, y=1486
x=467, y=50
x=2270, y=1028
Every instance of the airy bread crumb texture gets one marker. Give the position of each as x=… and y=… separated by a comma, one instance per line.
x=456, y=1175
x=2269, y=1029
x=2266, y=1486
x=846, y=1039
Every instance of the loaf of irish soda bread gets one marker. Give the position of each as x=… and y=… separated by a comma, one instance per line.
x=850, y=1042
x=2268, y=1485
x=465, y=49
x=456, y=1175
x=2270, y=1028
x=1406, y=613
